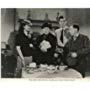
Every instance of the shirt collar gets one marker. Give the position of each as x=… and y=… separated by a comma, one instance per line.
x=76, y=36
x=64, y=27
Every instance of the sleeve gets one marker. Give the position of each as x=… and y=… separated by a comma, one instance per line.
x=38, y=40
x=86, y=47
x=52, y=41
x=18, y=41
x=58, y=34
x=66, y=48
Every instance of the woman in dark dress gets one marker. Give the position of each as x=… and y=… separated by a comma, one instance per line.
x=24, y=45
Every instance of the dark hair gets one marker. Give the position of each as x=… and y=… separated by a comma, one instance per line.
x=76, y=26
x=61, y=17
x=46, y=25
x=21, y=28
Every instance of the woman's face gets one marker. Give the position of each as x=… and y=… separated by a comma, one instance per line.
x=27, y=28
x=46, y=30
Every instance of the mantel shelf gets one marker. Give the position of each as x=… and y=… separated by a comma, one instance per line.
x=41, y=21
x=38, y=23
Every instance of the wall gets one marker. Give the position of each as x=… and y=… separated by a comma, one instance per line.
x=39, y=14
x=8, y=19
x=80, y=16
x=7, y=23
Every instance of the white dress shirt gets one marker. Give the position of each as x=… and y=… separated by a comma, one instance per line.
x=58, y=35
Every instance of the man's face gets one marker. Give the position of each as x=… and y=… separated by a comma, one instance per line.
x=73, y=31
x=62, y=22
x=46, y=30
x=28, y=28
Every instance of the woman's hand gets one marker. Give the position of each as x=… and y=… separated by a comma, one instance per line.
x=31, y=45
x=56, y=55
x=43, y=49
x=23, y=63
x=73, y=55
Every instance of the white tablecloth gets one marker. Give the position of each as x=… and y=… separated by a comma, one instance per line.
x=70, y=73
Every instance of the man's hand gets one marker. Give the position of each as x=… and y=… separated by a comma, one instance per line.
x=73, y=54
x=60, y=44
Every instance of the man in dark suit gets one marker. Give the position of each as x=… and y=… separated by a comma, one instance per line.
x=76, y=50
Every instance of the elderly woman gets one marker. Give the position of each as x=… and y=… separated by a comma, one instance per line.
x=24, y=44
x=46, y=44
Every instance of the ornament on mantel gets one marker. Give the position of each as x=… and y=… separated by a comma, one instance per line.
x=16, y=14
x=57, y=18
x=29, y=15
x=46, y=17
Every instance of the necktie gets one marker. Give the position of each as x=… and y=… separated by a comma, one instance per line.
x=61, y=38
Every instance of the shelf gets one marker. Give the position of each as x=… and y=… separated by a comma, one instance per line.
x=38, y=23
x=41, y=21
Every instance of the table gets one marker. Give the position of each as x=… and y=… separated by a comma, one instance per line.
x=70, y=73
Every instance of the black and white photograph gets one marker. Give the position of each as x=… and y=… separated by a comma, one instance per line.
x=45, y=43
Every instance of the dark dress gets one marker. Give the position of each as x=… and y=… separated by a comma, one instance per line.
x=46, y=57
x=23, y=41
x=82, y=47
